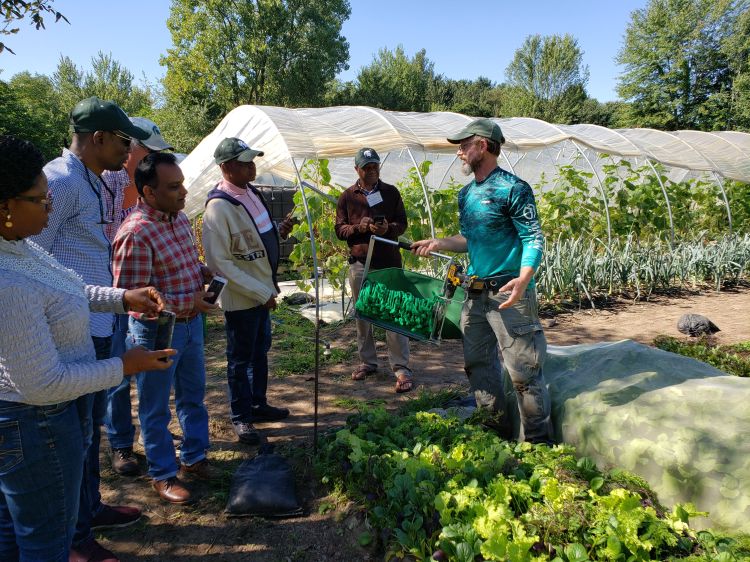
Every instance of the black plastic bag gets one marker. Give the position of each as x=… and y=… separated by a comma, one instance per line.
x=263, y=486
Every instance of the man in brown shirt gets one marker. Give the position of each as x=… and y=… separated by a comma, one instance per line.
x=372, y=207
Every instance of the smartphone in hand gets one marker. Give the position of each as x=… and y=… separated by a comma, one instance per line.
x=215, y=287
x=164, y=329
x=379, y=219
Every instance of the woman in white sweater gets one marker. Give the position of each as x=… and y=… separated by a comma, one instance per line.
x=47, y=360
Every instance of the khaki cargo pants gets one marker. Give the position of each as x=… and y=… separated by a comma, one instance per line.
x=517, y=334
x=398, y=345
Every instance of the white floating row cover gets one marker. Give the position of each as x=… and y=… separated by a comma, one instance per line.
x=290, y=137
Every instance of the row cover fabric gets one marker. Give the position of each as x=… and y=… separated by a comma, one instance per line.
x=290, y=137
x=679, y=423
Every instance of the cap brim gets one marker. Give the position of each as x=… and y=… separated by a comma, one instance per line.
x=157, y=144
x=135, y=132
x=369, y=161
x=456, y=139
x=247, y=155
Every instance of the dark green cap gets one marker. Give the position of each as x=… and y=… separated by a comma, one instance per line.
x=366, y=156
x=483, y=127
x=93, y=114
x=232, y=148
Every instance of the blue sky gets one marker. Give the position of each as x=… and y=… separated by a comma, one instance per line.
x=464, y=39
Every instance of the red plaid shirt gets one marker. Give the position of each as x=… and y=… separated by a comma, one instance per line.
x=155, y=248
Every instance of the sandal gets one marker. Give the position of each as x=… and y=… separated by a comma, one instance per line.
x=403, y=383
x=361, y=372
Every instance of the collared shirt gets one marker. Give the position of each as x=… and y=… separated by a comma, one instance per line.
x=498, y=218
x=353, y=205
x=156, y=248
x=74, y=234
x=114, y=196
x=251, y=202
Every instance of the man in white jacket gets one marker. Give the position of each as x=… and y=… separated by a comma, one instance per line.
x=241, y=243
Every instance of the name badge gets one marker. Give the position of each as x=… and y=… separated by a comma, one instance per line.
x=374, y=198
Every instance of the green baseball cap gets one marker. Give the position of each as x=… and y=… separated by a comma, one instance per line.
x=483, y=127
x=94, y=114
x=232, y=148
x=366, y=156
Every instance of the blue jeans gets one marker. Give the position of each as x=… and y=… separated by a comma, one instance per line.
x=248, y=342
x=188, y=375
x=91, y=410
x=41, y=462
x=119, y=418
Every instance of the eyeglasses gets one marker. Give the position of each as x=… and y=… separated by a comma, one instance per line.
x=464, y=146
x=123, y=137
x=45, y=200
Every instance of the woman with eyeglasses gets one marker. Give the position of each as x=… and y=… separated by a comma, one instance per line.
x=46, y=361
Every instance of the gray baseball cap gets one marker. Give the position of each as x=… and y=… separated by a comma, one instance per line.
x=366, y=156
x=155, y=141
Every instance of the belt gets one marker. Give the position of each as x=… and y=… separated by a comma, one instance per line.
x=353, y=259
x=186, y=320
x=490, y=284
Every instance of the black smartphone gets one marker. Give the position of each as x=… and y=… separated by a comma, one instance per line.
x=164, y=329
x=379, y=219
x=215, y=287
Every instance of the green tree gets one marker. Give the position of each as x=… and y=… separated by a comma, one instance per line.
x=677, y=72
x=395, y=81
x=546, y=79
x=107, y=79
x=34, y=112
x=478, y=97
x=14, y=11
x=277, y=52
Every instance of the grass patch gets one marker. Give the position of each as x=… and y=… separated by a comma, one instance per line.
x=293, y=350
x=732, y=359
x=357, y=404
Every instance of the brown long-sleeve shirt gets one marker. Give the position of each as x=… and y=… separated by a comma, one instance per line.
x=352, y=206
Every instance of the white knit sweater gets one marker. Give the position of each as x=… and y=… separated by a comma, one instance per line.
x=46, y=352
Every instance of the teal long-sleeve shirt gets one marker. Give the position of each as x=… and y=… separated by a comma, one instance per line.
x=498, y=218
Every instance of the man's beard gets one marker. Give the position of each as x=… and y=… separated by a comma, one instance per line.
x=467, y=169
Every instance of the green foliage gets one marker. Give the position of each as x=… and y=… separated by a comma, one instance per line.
x=432, y=484
x=293, y=350
x=681, y=60
x=722, y=357
x=14, y=11
x=546, y=79
x=574, y=267
x=396, y=82
x=332, y=253
x=274, y=52
x=636, y=203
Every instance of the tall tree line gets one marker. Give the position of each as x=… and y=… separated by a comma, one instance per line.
x=685, y=64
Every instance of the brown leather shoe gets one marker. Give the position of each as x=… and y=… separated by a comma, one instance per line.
x=202, y=470
x=172, y=490
x=124, y=462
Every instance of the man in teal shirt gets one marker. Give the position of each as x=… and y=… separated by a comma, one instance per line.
x=500, y=231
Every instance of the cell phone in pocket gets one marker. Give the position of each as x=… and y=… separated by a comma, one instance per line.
x=164, y=330
x=215, y=287
x=379, y=219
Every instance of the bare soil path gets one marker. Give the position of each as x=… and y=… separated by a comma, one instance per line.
x=202, y=532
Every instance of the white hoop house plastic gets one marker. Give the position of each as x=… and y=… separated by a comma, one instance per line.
x=290, y=137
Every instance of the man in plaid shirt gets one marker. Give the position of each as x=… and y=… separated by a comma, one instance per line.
x=155, y=246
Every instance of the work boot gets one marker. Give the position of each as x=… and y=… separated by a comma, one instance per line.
x=124, y=462
x=264, y=413
x=172, y=490
x=246, y=433
x=201, y=470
